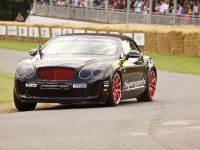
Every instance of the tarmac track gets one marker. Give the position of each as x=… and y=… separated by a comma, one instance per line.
x=171, y=122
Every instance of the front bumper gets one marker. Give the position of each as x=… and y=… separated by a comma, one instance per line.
x=93, y=92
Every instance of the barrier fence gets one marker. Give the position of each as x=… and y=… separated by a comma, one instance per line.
x=155, y=38
x=112, y=16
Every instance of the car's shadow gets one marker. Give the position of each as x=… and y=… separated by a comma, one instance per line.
x=82, y=106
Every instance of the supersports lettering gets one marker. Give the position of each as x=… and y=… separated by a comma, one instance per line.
x=134, y=84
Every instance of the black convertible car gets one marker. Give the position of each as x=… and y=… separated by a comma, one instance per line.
x=85, y=67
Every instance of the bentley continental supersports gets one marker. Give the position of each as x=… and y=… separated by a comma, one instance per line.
x=77, y=68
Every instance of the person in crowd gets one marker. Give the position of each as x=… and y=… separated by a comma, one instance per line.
x=180, y=10
x=195, y=8
x=157, y=7
x=80, y=3
x=172, y=9
x=19, y=18
x=189, y=10
x=188, y=14
x=146, y=7
x=115, y=4
x=164, y=7
x=54, y=2
x=77, y=2
x=132, y=4
x=139, y=5
x=121, y=4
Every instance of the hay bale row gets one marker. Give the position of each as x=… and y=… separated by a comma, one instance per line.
x=162, y=39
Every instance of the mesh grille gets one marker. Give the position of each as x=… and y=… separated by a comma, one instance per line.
x=56, y=73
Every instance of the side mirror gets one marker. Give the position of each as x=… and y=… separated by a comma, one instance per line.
x=33, y=51
x=39, y=47
x=133, y=54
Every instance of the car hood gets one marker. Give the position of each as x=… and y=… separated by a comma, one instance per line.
x=73, y=61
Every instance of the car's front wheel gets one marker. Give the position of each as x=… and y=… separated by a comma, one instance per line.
x=23, y=106
x=116, y=90
x=149, y=93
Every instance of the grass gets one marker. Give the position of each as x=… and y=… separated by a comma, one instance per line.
x=6, y=88
x=175, y=63
x=17, y=45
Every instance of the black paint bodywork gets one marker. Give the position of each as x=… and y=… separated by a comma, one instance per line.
x=130, y=70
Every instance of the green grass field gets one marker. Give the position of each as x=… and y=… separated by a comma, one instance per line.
x=17, y=45
x=6, y=88
x=175, y=63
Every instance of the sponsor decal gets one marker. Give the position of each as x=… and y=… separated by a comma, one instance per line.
x=31, y=85
x=23, y=31
x=133, y=85
x=139, y=38
x=56, y=32
x=54, y=86
x=12, y=30
x=45, y=33
x=2, y=30
x=80, y=86
x=33, y=31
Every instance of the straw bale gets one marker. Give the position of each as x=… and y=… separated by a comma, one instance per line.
x=183, y=39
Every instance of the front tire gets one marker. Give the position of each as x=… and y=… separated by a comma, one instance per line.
x=116, y=90
x=149, y=93
x=23, y=106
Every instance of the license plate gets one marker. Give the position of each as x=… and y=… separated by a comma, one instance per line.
x=54, y=86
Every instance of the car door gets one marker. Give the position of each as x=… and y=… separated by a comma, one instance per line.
x=133, y=68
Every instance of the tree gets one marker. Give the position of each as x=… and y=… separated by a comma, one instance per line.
x=10, y=8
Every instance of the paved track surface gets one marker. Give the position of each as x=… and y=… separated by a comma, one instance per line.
x=10, y=58
x=171, y=122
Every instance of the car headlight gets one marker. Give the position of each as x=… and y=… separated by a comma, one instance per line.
x=25, y=70
x=87, y=73
x=97, y=73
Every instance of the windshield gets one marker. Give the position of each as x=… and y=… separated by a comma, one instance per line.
x=87, y=46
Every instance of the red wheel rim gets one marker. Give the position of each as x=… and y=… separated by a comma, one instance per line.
x=152, y=83
x=116, y=88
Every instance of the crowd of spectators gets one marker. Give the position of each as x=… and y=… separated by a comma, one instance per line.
x=184, y=7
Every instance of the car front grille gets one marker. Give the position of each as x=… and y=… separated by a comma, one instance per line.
x=56, y=73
